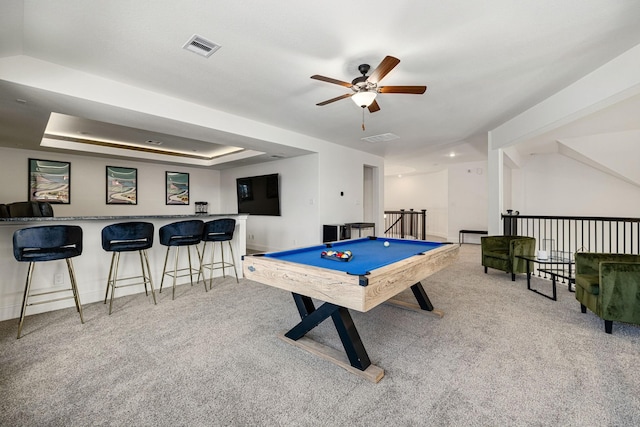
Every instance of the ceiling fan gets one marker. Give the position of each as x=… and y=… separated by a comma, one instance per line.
x=365, y=88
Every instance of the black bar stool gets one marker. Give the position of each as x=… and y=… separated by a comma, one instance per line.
x=48, y=243
x=182, y=233
x=128, y=237
x=218, y=230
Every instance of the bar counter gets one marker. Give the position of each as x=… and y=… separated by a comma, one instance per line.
x=118, y=218
x=92, y=267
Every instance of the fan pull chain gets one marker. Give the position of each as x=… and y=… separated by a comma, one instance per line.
x=362, y=119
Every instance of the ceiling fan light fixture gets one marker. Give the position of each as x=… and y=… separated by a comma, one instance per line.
x=364, y=98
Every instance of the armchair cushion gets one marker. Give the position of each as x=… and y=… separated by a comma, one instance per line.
x=609, y=286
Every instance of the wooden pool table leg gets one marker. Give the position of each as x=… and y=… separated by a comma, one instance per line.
x=312, y=317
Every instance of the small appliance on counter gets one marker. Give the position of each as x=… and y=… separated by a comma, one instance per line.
x=202, y=207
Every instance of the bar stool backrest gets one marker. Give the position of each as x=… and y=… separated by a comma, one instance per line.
x=127, y=236
x=181, y=233
x=29, y=209
x=47, y=243
x=219, y=230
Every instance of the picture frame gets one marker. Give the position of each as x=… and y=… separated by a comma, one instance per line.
x=49, y=181
x=176, y=188
x=122, y=185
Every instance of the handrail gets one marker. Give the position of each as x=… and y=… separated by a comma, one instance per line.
x=405, y=223
x=395, y=223
x=569, y=234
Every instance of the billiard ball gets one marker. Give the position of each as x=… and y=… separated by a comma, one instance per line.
x=386, y=243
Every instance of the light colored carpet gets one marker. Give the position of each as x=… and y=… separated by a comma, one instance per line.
x=500, y=356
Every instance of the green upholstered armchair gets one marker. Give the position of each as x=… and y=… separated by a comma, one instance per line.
x=609, y=285
x=500, y=252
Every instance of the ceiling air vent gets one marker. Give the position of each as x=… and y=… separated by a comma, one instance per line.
x=383, y=137
x=201, y=46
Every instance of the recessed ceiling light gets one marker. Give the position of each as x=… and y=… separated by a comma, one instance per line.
x=21, y=101
x=452, y=154
x=152, y=142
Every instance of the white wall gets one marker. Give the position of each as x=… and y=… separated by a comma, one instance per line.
x=468, y=195
x=88, y=185
x=424, y=191
x=310, y=196
x=298, y=223
x=341, y=185
x=546, y=184
x=509, y=177
x=558, y=185
x=455, y=198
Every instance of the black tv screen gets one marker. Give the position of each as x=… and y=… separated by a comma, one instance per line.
x=259, y=195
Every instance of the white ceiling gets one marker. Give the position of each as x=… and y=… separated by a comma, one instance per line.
x=483, y=63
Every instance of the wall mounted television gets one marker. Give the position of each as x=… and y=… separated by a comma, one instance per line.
x=259, y=195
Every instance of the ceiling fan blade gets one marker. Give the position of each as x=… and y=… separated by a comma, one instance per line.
x=337, y=98
x=374, y=106
x=387, y=64
x=418, y=90
x=330, y=80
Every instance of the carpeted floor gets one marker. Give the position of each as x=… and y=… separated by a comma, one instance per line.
x=500, y=356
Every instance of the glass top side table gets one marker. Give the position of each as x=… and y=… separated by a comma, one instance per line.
x=556, y=267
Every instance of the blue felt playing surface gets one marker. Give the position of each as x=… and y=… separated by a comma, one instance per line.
x=368, y=254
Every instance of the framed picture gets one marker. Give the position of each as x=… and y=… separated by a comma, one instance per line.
x=49, y=181
x=122, y=186
x=177, y=188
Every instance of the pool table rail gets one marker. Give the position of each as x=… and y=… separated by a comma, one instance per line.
x=343, y=289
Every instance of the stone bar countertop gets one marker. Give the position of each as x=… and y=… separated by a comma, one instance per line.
x=112, y=217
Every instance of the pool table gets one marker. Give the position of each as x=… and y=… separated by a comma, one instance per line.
x=375, y=274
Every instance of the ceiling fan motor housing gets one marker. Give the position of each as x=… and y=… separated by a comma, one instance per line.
x=364, y=68
x=361, y=83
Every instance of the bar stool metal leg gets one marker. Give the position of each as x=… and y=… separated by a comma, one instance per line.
x=113, y=259
x=175, y=273
x=27, y=288
x=164, y=268
x=74, y=288
x=233, y=261
x=113, y=280
x=148, y=274
x=145, y=277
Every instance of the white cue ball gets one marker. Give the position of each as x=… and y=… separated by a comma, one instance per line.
x=386, y=243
